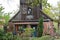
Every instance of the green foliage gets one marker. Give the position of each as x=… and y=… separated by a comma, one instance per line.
x=46, y=38
x=8, y=36
x=37, y=3
x=1, y=14
x=56, y=12
x=1, y=11
x=58, y=32
x=28, y=32
x=40, y=27
x=1, y=34
x=5, y=16
x=1, y=22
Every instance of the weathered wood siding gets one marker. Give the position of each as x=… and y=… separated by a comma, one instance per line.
x=36, y=12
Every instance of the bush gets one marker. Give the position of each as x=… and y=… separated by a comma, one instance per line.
x=8, y=36
x=43, y=38
x=40, y=27
x=57, y=34
x=1, y=34
x=46, y=38
x=28, y=32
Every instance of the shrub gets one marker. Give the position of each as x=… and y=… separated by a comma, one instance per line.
x=28, y=32
x=1, y=34
x=8, y=36
x=46, y=38
x=40, y=27
x=58, y=33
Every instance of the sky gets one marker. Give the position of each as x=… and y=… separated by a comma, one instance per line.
x=10, y=5
x=13, y=5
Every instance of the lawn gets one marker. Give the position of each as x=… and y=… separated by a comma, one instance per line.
x=57, y=39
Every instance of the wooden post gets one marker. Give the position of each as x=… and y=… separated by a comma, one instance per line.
x=10, y=29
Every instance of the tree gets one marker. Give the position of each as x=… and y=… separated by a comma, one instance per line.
x=40, y=27
x=56, y=12
x=1, y=11
x=1, y=14
x=5, y=16
x=44, y=3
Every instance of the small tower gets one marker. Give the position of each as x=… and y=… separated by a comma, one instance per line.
x=24, y=5
x=26, y=11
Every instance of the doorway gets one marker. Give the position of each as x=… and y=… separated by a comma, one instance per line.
x=35, y=30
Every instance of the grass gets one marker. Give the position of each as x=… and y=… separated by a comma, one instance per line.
x=57, y=39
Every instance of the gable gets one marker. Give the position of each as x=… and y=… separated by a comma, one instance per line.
x=36, y=13
x=17, y=16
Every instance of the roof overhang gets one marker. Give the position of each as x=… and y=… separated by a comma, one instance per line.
x=17, y=21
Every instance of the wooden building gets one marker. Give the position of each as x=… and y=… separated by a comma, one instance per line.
x=29, y=17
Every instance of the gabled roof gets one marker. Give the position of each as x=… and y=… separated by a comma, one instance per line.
x=15, y=15
x=46, y=15
x=18, y=13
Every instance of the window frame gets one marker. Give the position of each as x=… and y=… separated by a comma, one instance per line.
x=30, y=11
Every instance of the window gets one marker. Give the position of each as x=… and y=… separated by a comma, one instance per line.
x=29, y=10
x=29, y=13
